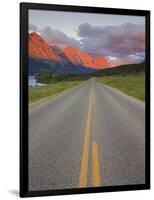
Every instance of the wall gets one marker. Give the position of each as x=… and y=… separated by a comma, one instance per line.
x=9, y=100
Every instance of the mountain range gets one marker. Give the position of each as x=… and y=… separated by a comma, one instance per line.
x=43, y=57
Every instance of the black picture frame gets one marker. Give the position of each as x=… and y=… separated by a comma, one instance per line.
x=24, y=7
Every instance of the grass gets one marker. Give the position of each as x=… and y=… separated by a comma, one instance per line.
x=132, y=85
x=39, y=93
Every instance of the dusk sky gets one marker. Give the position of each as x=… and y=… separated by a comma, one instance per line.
x=120, y=39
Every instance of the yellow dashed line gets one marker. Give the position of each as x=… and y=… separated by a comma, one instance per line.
x=85, y=152
x=95, y=166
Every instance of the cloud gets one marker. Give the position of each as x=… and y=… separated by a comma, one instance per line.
x=119, y=44
x=54, y=36
x=33, y=28
x=115, y=41
x=132, y=58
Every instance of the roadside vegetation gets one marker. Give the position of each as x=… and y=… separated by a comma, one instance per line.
x=56, y=83
x=132, y=85
x=48, y=77
x=129, y=79
x=38, y=93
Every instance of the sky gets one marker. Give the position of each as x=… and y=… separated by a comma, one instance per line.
x=120, y=39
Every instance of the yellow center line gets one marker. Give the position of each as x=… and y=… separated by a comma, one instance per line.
x=95, y=166
x=85, y=152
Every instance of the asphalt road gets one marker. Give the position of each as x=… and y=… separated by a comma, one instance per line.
x=91, y=136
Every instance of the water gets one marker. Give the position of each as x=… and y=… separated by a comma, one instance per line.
x=32, y=81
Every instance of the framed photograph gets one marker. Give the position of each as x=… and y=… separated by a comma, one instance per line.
x=84, y=99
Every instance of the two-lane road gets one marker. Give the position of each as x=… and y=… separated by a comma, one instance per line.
x=92, y=135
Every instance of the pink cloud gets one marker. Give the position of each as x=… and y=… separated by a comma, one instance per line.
x=119, y=41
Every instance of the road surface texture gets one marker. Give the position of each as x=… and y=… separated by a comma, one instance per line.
x=90, y=136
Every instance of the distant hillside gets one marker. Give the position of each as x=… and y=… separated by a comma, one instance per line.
x=45, y=58
x=122, y=70
x=84, y=59
x=44, y=65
